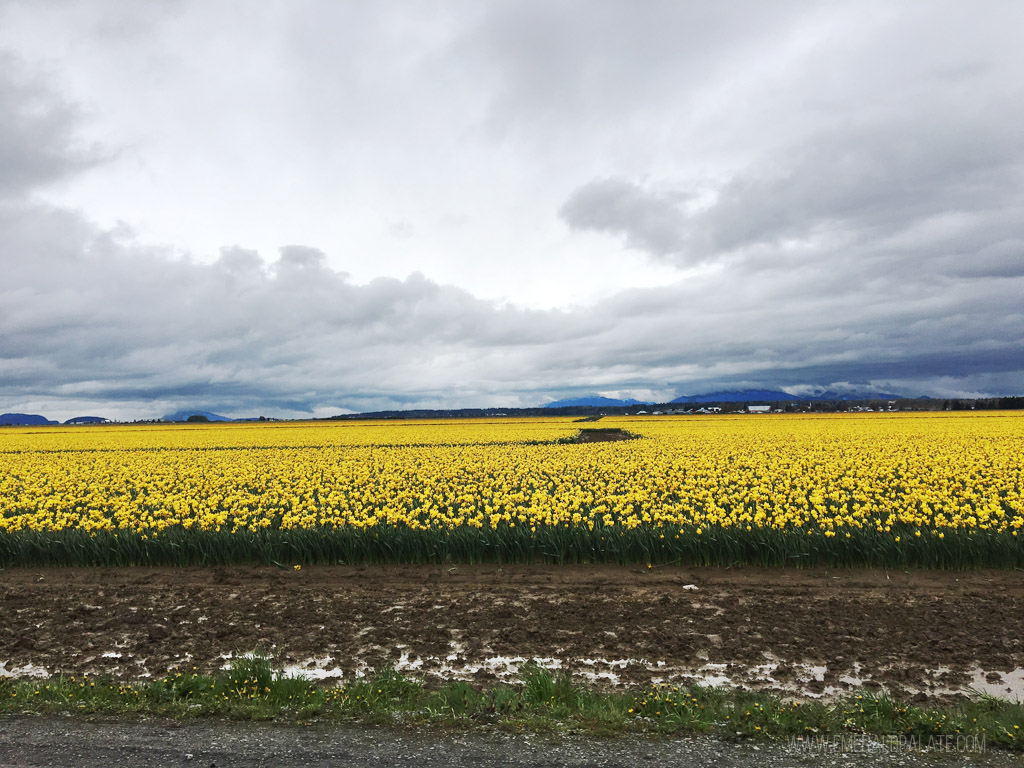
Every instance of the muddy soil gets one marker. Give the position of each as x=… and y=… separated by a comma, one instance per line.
x=807, y=633
x=600, y=435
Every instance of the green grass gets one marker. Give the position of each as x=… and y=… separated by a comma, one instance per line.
x=542, y=701
x=645, y=544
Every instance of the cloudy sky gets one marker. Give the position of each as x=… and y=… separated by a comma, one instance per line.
x=312, y=207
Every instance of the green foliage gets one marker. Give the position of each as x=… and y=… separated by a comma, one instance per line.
x=251, y=673
x=542, y=689
x=251, y=689
x=646, y=544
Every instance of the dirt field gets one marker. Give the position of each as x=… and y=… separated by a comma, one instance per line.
x=808, y=633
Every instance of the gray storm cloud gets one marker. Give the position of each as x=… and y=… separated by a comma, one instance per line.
x=137, y=327
x=37, y=137
x=883, y=189
x=653, y=222
x=874, y=244
x=117, y=325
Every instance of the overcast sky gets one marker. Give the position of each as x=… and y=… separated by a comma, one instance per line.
x=307, y=208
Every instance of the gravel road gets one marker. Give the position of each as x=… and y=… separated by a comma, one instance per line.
x=69, y=742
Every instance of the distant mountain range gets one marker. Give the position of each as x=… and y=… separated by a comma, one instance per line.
x=727, y=396
x=845, y=396
x=86, y=420
x=23, y=420
x=737, y=396
x=594, y=401
x=589, y=401
x=184, y=416
x=34, y=420
x=778, y=396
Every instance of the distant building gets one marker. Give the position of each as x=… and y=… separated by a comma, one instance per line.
x=758, y=408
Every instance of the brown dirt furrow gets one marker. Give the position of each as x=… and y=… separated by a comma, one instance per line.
x=817, y=630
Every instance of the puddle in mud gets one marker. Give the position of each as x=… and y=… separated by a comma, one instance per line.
x=803, y=681
x=23, y=670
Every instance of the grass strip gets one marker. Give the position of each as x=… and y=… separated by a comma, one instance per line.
x=250, y=689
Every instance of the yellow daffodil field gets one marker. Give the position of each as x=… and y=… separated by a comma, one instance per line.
x=936, y=490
